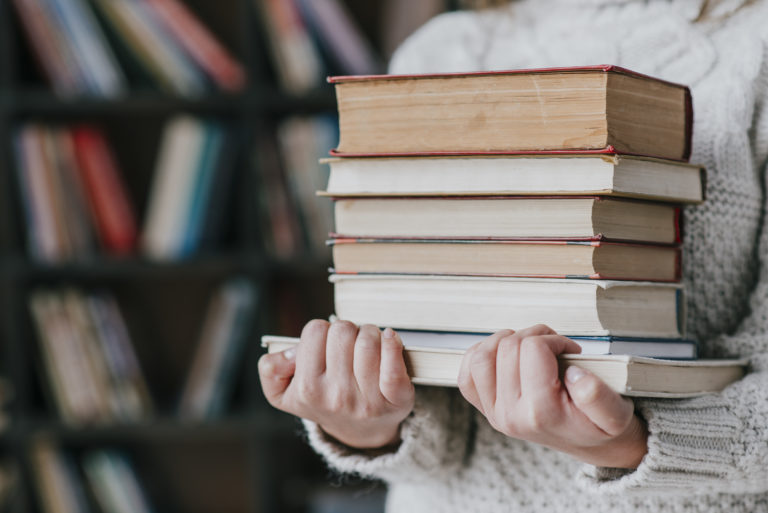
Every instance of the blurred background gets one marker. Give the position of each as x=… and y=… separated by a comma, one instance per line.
x=158, y=164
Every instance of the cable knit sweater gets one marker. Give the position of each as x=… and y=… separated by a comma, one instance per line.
x=708, y=454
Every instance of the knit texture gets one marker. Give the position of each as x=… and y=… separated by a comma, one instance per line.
x=708, y=454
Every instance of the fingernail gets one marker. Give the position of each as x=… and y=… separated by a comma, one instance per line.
x=389, y=333
x=289, y=354
x=573, y=374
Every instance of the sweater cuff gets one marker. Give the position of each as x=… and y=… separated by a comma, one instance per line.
x=431, y=437
x=689, y=447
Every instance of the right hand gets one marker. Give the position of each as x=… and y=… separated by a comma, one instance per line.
x=352, y=382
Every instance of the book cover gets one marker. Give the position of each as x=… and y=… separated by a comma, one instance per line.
x=511, y=112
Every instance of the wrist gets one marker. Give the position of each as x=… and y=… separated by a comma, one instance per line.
x=386, y=439
x=625, y=451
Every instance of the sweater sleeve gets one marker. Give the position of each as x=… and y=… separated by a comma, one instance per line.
x=434, y=440
x=716, y=443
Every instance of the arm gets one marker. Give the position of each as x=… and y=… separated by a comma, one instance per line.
x=717, y=443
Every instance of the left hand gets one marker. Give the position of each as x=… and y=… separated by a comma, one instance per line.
x=513, y=379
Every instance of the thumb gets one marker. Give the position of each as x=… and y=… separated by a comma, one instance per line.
x=394, y=383
x=608, y=410
x=276, y=372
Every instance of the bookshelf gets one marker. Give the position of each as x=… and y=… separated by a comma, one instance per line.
x=252, y=459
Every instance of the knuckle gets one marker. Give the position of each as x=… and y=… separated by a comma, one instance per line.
x=393, y=380
x=368, y=334
x=343, y=329
x=338, y=401
x=316, y=328
x=307, y=393
x=265, y=365
x=539, y=418
x=591, y=392
x=541, y=329
x=510, y=422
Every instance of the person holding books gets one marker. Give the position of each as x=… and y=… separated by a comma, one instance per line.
x=516, y=438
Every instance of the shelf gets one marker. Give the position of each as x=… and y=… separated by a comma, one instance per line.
x=136, y=267
x=41, y=103
x=100, y=267
x=266, y=425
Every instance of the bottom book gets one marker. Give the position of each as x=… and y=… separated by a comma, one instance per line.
x=628, y=375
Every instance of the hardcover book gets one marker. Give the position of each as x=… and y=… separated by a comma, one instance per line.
x=532, y=258
x=601, y=109
x=484, y=175
x=488, y=304
x=627, y=375
x=580, y=218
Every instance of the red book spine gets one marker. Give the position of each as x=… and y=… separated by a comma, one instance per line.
x=107, y=196
x=200, y=44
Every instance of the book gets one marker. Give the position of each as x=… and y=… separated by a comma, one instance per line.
x=297, y=61
x=602, y=109
x=138, y=30
x=475, y=175
x=222, y=338
x=200, y=44
x=583, y=218
x=628, y=375
x=338, y=36
x=302, y=140
x=535, y=258
x=173, y=184
x=110, y=204
x=488, y=304
x=56, y=478
x=114, y=482
x=52, y=51
x=93, y=372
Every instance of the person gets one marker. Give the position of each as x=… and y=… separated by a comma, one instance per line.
x=514, y=437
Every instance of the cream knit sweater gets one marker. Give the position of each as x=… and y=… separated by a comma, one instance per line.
x=708, y=454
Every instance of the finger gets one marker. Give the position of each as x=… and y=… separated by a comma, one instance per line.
x=367, y=360
x=465, y=381
x=608, y=410
x=539, y=370
x=508, y=368
x=310, y=354
x=537, y=329
x=394, y=382
x=276, y=372
x=483, y=370
x=339, y=350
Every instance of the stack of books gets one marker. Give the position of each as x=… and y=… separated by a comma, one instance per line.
x=470, y=203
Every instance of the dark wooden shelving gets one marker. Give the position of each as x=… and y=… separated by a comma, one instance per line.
x=253, y=445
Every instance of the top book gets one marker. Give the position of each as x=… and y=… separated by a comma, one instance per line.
x=595, y=109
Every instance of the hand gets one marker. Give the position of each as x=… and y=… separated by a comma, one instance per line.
x=351, y=382
x=513, y=379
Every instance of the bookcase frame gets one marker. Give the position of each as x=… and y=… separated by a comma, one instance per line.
x=264, y=433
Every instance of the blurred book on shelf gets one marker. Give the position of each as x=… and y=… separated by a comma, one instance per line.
x=226, y=326
x=93, y=374
x=281, y=226
x=56, y=478
x=302, y=141
x=67, y=483
x=114, y=483
x=311, y=39
x=191, y=186
x=73, y=194
x=104, y=48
